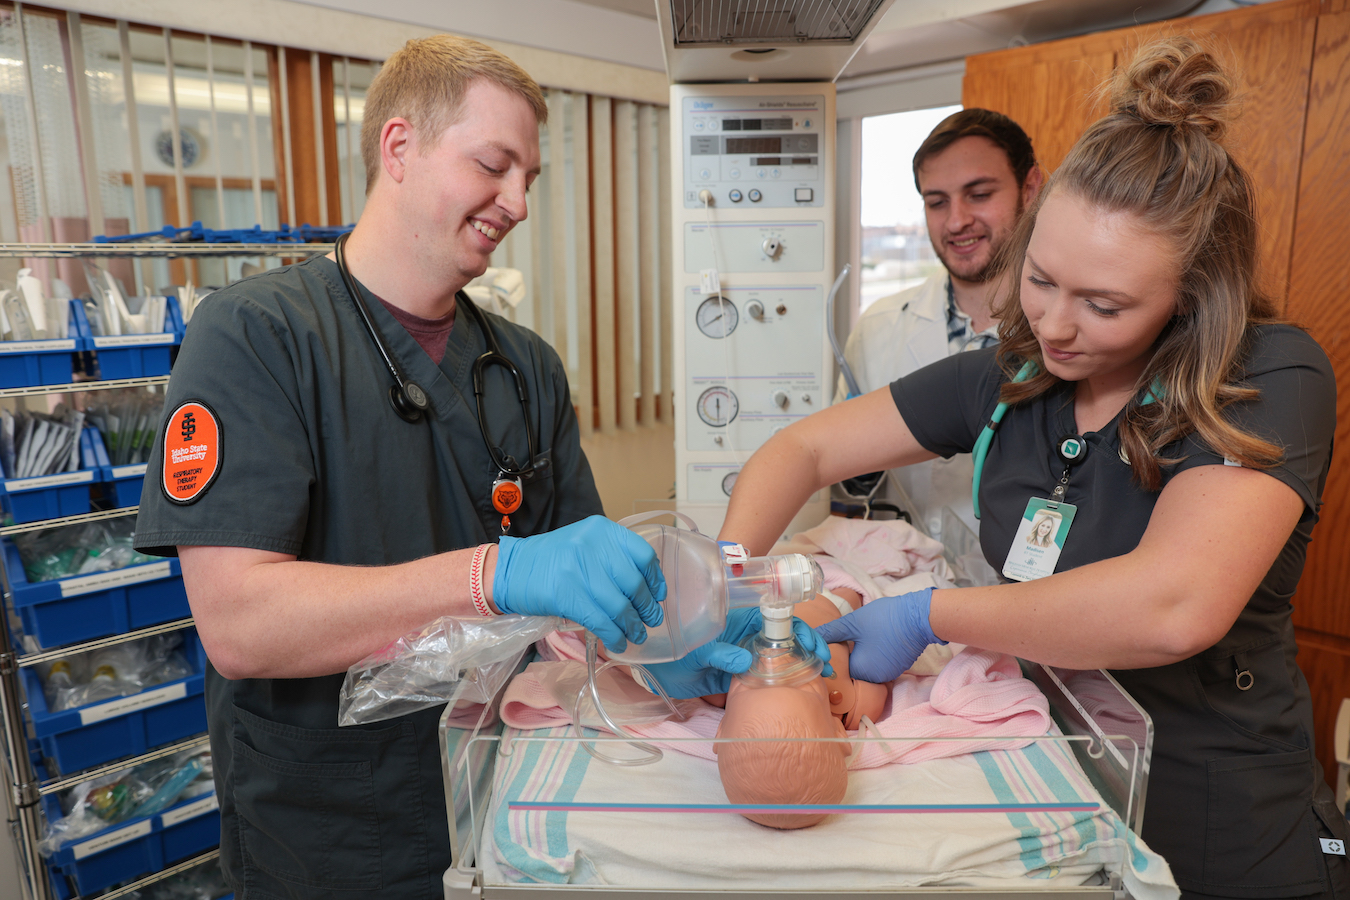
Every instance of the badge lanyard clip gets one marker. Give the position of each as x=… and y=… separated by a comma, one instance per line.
x=1072, y=450
x=1057, y=494
x=507, y=495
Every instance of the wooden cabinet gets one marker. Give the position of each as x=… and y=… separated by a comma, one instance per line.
x=1294, y=60
x=1050, y=89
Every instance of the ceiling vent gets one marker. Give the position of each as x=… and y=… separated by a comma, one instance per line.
x=763, y=40
x=770, y=21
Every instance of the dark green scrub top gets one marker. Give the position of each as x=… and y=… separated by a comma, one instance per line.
x=1236, y=799
x=313, y=461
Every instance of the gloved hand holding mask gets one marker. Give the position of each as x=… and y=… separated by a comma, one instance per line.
x=708, y=669
x=594, y=572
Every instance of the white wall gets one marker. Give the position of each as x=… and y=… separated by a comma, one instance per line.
x=923, y=87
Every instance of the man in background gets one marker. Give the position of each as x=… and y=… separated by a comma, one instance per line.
x=976, y=173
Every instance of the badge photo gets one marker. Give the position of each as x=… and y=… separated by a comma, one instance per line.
x=192, y=451
x=1040, y=538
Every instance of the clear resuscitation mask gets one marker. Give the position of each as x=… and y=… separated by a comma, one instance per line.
x=702, y=586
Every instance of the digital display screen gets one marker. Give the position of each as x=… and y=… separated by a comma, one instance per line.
x=752, y=145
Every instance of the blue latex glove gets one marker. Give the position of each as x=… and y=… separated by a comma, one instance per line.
x=888, y=635
x=596, y=573
x=708, y=669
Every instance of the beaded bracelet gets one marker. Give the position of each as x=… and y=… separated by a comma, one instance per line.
x=476, y=580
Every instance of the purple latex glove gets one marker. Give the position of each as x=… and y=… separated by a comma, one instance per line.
x=888, y=635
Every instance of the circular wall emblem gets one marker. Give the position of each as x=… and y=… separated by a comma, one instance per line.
x=188, y=141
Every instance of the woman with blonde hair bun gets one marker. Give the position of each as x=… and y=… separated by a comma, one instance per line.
x=1152, y=399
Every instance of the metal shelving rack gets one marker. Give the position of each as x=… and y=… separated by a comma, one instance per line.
x=25, y=789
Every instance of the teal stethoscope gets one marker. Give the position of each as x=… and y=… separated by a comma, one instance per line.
x=986, y=438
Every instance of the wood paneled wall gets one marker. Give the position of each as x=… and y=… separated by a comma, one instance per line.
x=1294, y=58
x=1050, y=89
x=305, y=135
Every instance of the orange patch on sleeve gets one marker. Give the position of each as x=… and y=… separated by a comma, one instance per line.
x=191, y=452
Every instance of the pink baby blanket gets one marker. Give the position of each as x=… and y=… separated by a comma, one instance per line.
x=978, y=701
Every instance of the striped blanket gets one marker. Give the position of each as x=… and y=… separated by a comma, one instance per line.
x=973, y=839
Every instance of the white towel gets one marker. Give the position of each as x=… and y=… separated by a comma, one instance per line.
x=709, y=850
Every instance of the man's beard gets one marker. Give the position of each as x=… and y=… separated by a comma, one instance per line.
x=989, y=270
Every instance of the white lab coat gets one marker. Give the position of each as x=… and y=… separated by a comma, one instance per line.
x=895, y=336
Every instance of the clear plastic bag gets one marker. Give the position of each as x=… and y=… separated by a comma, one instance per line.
x=92, y=806
x=474, y=656
x=205, y=882
x=117, y=671
x=79, y=550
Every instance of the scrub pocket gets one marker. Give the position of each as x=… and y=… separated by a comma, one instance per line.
x=1261, y=836
x=1252, y=691
x=323, y=810
x=1335, y=828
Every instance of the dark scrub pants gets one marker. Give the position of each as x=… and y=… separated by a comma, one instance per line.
x=1236, y=800
x=313, y=461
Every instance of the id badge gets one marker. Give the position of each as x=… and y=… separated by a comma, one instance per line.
x=1040, y=538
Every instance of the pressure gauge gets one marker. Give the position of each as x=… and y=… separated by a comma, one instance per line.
x=717, y=406
x=717, y=316
x=729, y=482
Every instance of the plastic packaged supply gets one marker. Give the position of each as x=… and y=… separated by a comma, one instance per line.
x=149, y=788
x=33, y=444
x=79, y=549
x=204, y=882
x=117, y=671
x=127, y=420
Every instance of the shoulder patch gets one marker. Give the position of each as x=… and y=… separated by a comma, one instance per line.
x=192, y=449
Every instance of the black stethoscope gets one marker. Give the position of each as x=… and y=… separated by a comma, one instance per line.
x=411, y=402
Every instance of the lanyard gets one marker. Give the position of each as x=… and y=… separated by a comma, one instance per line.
x=986, y=438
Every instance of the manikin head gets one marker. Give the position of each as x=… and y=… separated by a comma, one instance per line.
x=788, y=771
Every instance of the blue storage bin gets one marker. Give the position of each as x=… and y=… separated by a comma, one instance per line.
x=91, y=606
x=34, y=363
x=133, y=355
x=76, y=739
x=51, y=496
x=121, y=484
x=175, y=316
x=133, y=848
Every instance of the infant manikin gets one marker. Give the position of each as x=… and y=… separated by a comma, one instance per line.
x=810, y=706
